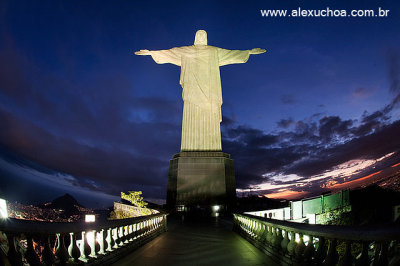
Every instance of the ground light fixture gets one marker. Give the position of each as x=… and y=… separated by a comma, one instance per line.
x=90, y=218
x=3, y=209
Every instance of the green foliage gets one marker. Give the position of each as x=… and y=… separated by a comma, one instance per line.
x=138, y=208
x=134, y=197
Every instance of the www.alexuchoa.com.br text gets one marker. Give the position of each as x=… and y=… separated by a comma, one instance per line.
x=327, y=12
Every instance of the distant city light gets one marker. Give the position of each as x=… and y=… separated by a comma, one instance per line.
x=3, y=209
x=90, y=218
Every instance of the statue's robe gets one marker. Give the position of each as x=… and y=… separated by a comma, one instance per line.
x=201, y=83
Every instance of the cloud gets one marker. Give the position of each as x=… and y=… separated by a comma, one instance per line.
x=288, y=99
x=361, y=93
x=393, y=61
x=394, y=70
x=332, y=126
x=97, y=129
x=311, y=148
x=285, y=123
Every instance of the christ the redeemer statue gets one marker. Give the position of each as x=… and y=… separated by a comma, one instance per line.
x=201, y=84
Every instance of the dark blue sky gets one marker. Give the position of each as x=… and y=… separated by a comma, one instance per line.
x=320, y=105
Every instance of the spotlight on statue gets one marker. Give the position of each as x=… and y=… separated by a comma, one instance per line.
x=3, y=209
x=90, y=218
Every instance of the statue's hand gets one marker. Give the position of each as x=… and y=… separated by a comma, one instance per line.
x=257, y=51
x=143, y=52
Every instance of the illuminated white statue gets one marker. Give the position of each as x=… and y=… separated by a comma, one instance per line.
x=201, y=83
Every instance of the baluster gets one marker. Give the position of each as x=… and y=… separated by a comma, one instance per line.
x=270, y=235
x=30, y=254
x=13, y=255
x=135, y=228
x=383, y=255
x=120, y=232
x=309, y=250
x=102, y=242
x=73, y=249
x=48, y=256
x=146, y=227
x=61, y=250
x=291, y=247
x=84, y=248
x=260, y=232
x=110, y=240
x=285, y=241
x=130, y=233
x=376, y=253
x=332, y=256
x=125, y=228
x=273, y=237
x=242, y=223
x=255, y=230
x=134, y=231
x=140, y=232
x=300, y=247
x=347, y=258
x=321, y=251
x=279, y=238
x=93, y=243
x=264, y=234
x=363, y=258
x=115, y=237
x=394, y=254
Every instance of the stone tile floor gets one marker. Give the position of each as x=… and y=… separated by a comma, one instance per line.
x=197, y=242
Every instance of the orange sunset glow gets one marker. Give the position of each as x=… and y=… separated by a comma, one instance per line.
x=287, y=194
x=353, y=183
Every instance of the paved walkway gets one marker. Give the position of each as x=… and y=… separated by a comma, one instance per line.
x=210, y=242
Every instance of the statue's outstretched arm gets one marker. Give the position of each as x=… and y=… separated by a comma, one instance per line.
x=257, y=51
x=143, y=52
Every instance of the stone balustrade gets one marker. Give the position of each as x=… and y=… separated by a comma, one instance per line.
x=98, y=243
x=290, y=243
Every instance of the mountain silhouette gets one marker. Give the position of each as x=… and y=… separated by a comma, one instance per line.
x=67, y=203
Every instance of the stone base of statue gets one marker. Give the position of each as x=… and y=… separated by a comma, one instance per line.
x=201, y=178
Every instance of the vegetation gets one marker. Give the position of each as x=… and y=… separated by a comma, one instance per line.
x=134, y=197
x=139, y=207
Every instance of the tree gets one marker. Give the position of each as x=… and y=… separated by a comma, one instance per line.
x=134, y=197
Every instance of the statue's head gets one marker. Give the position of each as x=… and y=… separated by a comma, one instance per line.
x=201, y=38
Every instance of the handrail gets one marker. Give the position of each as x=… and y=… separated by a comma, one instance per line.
x=291, y=243
x=96, y=243
x=30, y=226
x=355, y=233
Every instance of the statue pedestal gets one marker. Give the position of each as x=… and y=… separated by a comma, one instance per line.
x=201, y=178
